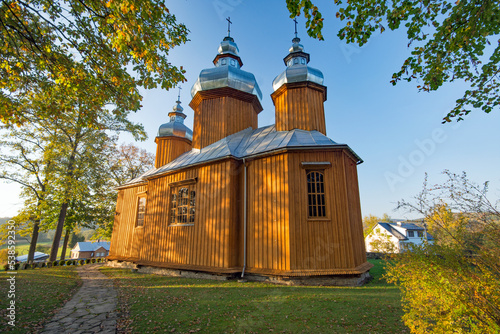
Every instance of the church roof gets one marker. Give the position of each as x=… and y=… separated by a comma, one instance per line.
x=245, y=144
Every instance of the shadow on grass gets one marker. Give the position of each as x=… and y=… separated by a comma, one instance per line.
x=157, y=303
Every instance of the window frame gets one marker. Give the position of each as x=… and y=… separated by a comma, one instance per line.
x=140, y=196
x=326, y=216
x=188, y=202
x=412, y=234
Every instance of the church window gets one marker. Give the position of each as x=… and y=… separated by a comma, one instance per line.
x=182, y=203
x=316, y=204
x=141, y=211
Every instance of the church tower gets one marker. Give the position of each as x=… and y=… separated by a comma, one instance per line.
x=299, y=93
x=226, y=99
x=174, y=138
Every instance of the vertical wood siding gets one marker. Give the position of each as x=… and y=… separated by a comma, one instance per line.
x=126, y=237
x=169, y=148
x=208, y=242
x=355, y=210
x=279, y=234
x=220, y=117
x=334, y=242
x=268, y=229
x=300, y=108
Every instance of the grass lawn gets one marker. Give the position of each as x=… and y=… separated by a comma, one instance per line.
x=39, y=292
x=156, y=304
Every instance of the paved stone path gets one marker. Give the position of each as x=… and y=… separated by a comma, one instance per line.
x=92, y=308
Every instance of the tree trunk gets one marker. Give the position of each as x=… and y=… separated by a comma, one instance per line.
x=34, y=239
x=58, y=234
x=65, y=244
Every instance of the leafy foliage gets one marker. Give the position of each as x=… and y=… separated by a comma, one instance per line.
x=64, y=169
x=98, y=51
x=451, y=41
x=370, y=221
x=453, y=285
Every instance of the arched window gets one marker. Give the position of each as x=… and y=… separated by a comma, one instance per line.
x=316, y=206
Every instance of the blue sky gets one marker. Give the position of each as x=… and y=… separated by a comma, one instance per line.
x=397, y=131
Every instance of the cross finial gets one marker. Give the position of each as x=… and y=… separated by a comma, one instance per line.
x=179, y=96
x=295, y=20
x=229, y=26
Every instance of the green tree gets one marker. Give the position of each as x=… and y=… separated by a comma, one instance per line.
x=452, y=286
x=123, y=163
x=370, y=221
x=101, y=51
x=75, y=237
x=451, y=41
x=58, y=162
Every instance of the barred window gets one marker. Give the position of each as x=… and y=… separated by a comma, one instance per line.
x=316, y=194
x=141, y=211
x=182, y=205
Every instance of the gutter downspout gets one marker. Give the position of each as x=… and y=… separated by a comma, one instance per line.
x=244, y=218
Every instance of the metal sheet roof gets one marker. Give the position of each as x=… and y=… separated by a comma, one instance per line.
x=245, y=144
x=36, y=256
x=393, y=231
x=91, y=246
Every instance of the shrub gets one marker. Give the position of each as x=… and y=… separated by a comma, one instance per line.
x=452, y=285
x=99, y=260
x=55, y=263
x=87, y=261
x=6, y=267
x=43, y=265
x=92, y=260
x=70, y=262
x=81, y=262
x=16, y=266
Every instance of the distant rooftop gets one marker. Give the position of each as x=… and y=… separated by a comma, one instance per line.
x=86, y=246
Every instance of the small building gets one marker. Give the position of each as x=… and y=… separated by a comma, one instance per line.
x=395, y=237
x=38, y=257
x=87, y=250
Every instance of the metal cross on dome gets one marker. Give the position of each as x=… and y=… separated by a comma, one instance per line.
x=179, y=96
x=229, y=26
x=295, y=20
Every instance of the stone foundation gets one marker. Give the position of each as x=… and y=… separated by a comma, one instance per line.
x=326, y=280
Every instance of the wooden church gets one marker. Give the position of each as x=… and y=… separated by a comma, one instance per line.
x=279, y=202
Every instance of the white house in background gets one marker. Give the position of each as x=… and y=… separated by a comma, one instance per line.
x=86, y=250
x=398, y=235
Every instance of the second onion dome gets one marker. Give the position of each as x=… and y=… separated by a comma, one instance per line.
x=297, y=69
x=227, y=72
x=176, y=127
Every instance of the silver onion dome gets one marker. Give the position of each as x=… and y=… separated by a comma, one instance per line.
x=175, y=127
x=227, y=72
x=297, y=69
